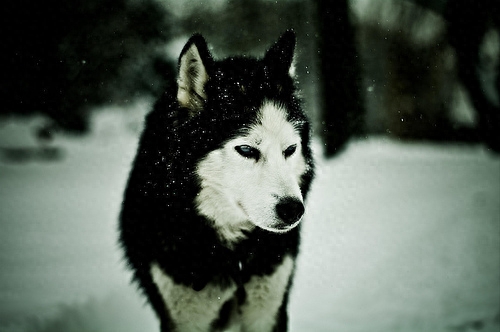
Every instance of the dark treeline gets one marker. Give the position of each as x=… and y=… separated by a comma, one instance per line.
x=63, y=58
x=60, y=58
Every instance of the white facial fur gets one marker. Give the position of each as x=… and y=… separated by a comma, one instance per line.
x=239, y=193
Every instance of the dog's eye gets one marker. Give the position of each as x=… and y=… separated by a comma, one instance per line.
x=248, y=151
x=290, y=150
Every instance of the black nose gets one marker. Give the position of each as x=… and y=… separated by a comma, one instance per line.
x=290, y=210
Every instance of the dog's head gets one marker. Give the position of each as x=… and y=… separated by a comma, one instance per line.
x=259, y=172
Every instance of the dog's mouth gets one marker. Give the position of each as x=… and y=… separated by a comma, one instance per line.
x=279, y=228
x=282, y=227
x=276, y=227
x=242, y=208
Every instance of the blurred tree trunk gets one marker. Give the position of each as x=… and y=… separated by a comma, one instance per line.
x=468, y=22
x=342, y=105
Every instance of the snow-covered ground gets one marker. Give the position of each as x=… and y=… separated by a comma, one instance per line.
x=398, y=237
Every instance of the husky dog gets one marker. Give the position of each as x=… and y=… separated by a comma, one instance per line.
x=211, y=213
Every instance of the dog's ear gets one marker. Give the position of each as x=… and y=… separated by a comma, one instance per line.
x=279, y=58
x=194, y=63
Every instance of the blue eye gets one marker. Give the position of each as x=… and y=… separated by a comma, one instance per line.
x=290, y=150
x=248, y=152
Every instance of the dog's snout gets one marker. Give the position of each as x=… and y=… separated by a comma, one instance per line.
x=290, y=210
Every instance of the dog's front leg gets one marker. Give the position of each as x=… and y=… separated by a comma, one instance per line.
x=190, y=310
x=265, y=296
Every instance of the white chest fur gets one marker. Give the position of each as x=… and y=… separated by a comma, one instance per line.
x=195, y=311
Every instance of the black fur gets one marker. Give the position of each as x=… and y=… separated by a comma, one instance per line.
x=158, y=219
